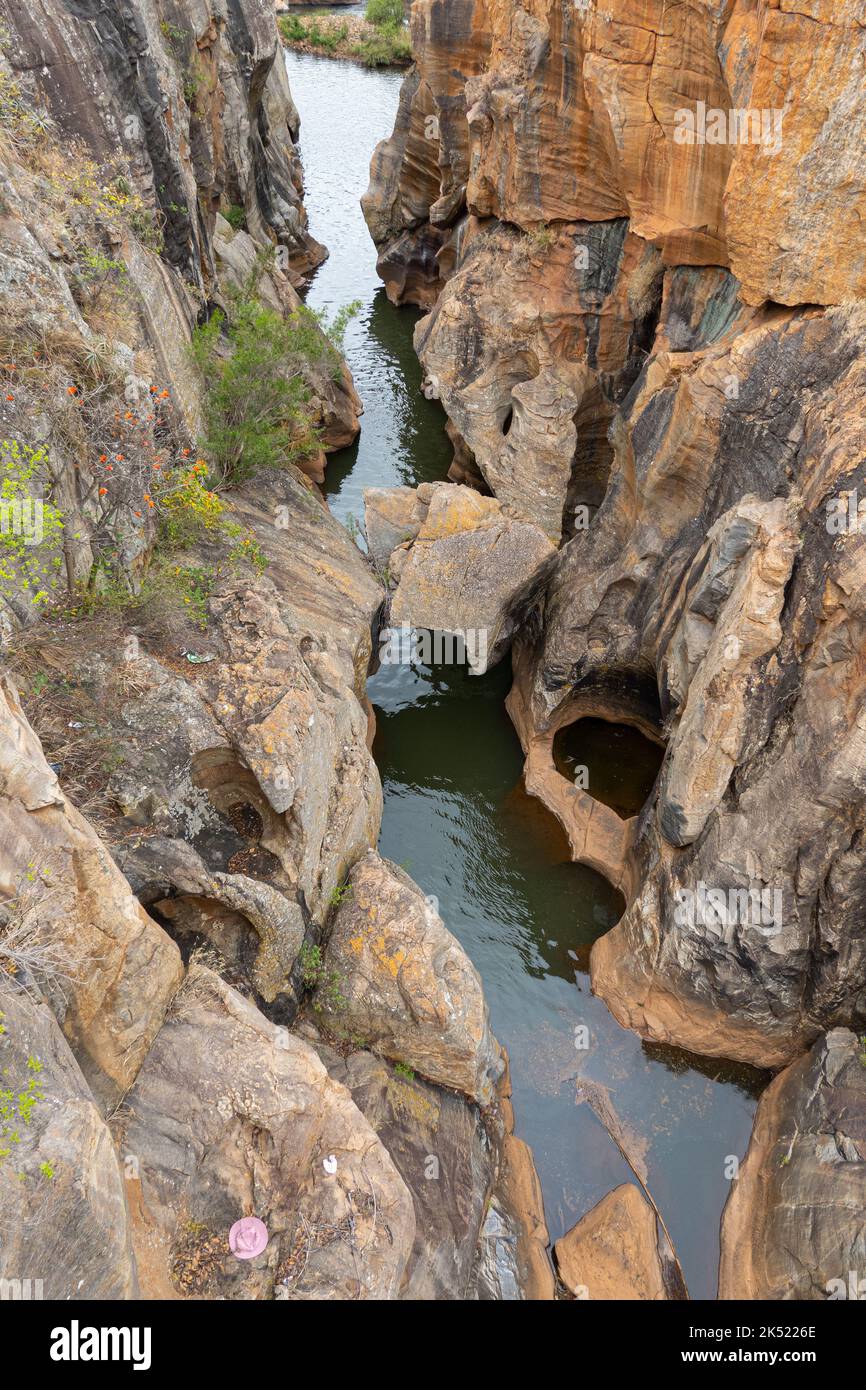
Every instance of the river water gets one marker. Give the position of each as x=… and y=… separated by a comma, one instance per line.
x=456, y=814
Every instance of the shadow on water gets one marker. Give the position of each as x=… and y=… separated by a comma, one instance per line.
x=457, y=816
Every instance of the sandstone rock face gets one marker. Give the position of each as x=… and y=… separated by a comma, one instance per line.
x=725, y=136
x=393, y=516
x=116, y=969
x=793, y=1224
x=272, y=720
x=531, y=345
x=199, y=106
x=793, y=221
x=406, y=985
x=63, y=1209
x=445, y=1156
x=124, y=136
x=232, y=1116
x=466, y=564
x=513, y=1261
x=612, y=1253
x=709, y=594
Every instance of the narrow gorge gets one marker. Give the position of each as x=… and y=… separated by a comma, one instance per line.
x=432, y=742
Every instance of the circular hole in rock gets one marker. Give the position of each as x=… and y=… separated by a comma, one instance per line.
x=615, y=763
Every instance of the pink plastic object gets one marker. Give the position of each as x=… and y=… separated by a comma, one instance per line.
x=248, y=1237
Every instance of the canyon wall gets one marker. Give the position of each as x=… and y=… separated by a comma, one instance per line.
x=186, y=781
x=646, y=329
x=638, y=230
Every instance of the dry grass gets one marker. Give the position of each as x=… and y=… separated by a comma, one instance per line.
x=68, y=719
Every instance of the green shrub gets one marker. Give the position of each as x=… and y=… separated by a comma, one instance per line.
x=256, y=400
x=384, y=13
x=384, y=47
x=31, y=529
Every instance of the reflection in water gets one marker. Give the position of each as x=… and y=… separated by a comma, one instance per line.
x=615, y=763
x=345, y=111
x=456, y=814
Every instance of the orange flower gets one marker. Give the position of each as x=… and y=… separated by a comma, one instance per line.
x=10, y=398
x=164, y=395
x=103, y=491
x=103, y=458
x=72, y=390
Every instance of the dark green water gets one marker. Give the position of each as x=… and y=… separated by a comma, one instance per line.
x=456, y=815
x=613, y=762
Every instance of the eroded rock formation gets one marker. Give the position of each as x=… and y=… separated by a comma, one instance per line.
x=793, y=1225
x=462, y=561
x=206, y=703
x=193, y=96
x=613, y=1252
x=406, y=984
x=645, y=333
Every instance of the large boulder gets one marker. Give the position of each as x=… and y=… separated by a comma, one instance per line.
x=793, y=1225
x=613, y=1252
x=445, y=1154
x=467, y=563
x=232, y=1116
x=397, y=978
x=63, y=1213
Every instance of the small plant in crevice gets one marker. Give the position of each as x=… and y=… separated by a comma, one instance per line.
x=19, y=1097
x=236, y=216
x=340, y=894
x=401, y=1069
x=316, y=976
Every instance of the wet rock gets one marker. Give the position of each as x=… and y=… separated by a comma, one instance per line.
x=232, y=1116
x=612, y=1253
x=513, y=1263
x=466, y=564
x=793, y=1224
x=115, y=970
x=63, y=1210
x=404, y=983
